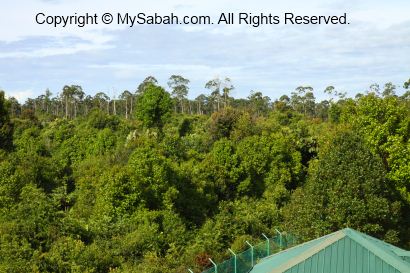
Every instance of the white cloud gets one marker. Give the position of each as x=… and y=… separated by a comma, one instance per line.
x=194, y=72
x=374, y=47
x=53, y=51
x=20, y=95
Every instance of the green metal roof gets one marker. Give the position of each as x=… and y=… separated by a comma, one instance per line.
x=345, y=251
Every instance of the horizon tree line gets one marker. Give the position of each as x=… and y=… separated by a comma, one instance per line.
x=72, y=101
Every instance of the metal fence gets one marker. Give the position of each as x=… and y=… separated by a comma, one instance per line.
x=243, y=262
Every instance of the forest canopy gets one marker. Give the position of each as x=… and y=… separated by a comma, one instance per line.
x=152, y=181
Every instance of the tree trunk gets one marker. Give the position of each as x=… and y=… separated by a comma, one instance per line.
x=126, y=108
x=66, y=107
x=75, y=110
x=131, y=105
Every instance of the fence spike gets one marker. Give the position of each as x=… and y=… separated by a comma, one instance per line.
x=280, y=238
x=268, y=247
x=234, y=255
x=216, y=267
x=251, y=252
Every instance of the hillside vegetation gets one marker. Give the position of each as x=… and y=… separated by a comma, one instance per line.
x=152, y=181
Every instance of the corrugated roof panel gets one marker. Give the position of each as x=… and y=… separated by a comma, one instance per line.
x=308, y=265
x=379, y=264
x=347, y=255
x=344, y=256
x=327, y=255
x=353, y=258
x=346, y=251
x=314, y=263
x=381, y=249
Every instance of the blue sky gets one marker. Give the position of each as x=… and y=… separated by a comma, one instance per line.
x=275, y=59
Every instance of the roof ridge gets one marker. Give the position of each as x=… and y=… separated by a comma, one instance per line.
x=300, y=245
x=368, y=242
x=331, y=239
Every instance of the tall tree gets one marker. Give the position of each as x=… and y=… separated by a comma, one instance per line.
x=47, y=99
x=389, y=90
x=283, y=104
x=15, y=107
x=77, y=98
x=67, y=94
x=215, y=87
x=88, y=103
x=145, y=83
x=125, y=96
x=331, y=90
x=70, y=95
x=102, y=100
x=303, y=100
x=226, y=90
x=259, y=103
x=154, y=107
x=114, y=105
x=179, y=86
x=200, y=100
x=374, y=89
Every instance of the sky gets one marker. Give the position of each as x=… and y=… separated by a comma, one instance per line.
x=273, y=59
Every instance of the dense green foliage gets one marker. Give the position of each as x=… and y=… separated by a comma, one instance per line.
x=6, y=130
x=154, y=107
x=346, y=187
x=154, y=182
